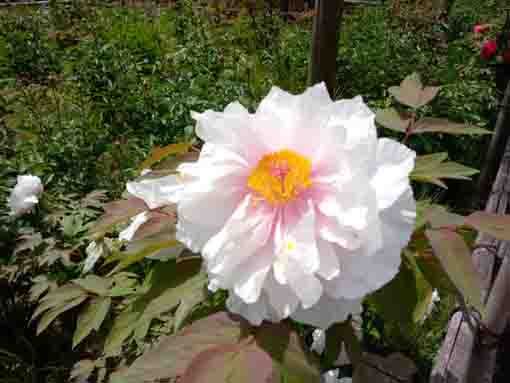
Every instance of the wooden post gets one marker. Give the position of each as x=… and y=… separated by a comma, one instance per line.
x=325, y=43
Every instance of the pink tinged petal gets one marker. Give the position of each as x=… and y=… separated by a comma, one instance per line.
x=394, y=164
x=243, y=234
x=327, y=312
x=282, y=299
x=137, y=221
x=329, y=265
x=330, y=230
x=251, y=275
x=157, y=192
x=306, y=286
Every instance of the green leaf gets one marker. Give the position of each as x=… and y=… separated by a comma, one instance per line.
x=94, y=284
x=58, y=297
x=391, y=119
x=496, y=225
x=118, y=212
x=440, y=125
x=410, y=286
x=123, y=326
x=83, y=369
x=456, y=260
x=51, y=315
x=91, y=317
x=431, y=168
x=158, y=153
x=412, y=93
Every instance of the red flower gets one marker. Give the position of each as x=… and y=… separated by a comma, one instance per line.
x=489, y=49
x=481, y=28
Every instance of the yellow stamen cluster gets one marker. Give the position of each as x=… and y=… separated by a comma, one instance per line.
x=280, y=176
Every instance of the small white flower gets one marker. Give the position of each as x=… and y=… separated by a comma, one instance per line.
x=330, y=376
x=138, y=220
x=25, y=194
x=319, y=341
x=94, y=251
x=433, y=303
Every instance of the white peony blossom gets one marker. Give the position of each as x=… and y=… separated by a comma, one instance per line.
x=25, y=194
x=138, y=220
x=319, y=341
x=299, y=210
x=94, y=251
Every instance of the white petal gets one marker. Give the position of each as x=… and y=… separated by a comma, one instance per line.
x=306, y=287
x=251, y=275
x=137, y=221
x=193, y=235
x=157, y=192
x=327, y=312
x=282, y=299
x=94, y=251
x=394, y=164
x=329, y=265
x=330, y=376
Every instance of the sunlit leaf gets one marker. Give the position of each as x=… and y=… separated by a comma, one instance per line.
x=432, y=168
x=497, y=225
x=455, y=257
x=158, y=222
x=94, y=284
x=123, y=326
x=52, y=314
x=440, y=125
x=391, y=119
x=82, y=370
x=438, y=217
x=159, y=153
x=58, y=297
x=412, y=93
x=91, y=317
x=433, y=271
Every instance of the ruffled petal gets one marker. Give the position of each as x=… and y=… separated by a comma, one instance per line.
x=394, y=164
x=157, y=192
x=328, y=311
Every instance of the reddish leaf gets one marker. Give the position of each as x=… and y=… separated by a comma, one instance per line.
x=117, y=212
x=438, y=217
x=455, y=258
x=496, y=225
x=391, y=119
x=156, y=223
x=412, y=93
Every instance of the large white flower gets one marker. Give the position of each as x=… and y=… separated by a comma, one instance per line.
x=299, y=210
x=25, y=194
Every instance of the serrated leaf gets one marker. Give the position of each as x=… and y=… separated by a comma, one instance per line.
x=94, y=284
x=117, y=212
x=496, y=225
x=51, y=315
x=90, y=318
x=455, y=257
x=431, y=168
x=158, y=153
x=440, y=125
x=215, y=330
x=391, y=119
x=412, y=93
